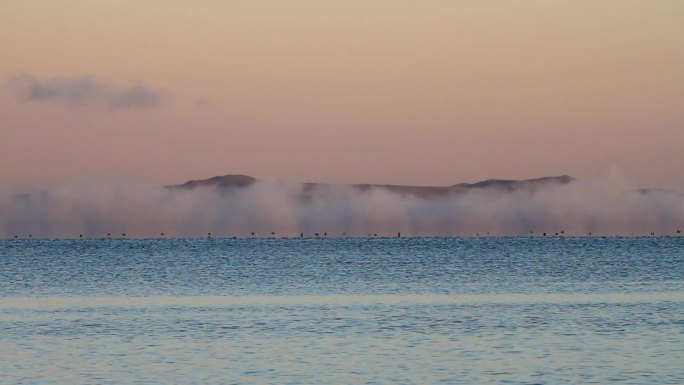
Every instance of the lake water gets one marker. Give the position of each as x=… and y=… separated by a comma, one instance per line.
x=343, y=311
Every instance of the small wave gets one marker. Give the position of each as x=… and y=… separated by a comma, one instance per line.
x=333, y=300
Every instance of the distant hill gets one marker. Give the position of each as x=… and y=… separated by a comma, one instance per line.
x=518, y=184
x=233, y=181
x=225, y=181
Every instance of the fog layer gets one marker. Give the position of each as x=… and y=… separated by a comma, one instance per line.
x=604, y=206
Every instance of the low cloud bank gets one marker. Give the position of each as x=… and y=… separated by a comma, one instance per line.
x=602, y=207
x=84, y=90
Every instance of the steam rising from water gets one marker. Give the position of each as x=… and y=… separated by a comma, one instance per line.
x=607, y=205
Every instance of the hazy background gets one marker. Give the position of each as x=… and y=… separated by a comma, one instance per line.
x=606, y=205
x=407, y=92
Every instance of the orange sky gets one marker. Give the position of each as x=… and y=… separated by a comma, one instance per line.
x=407, y=92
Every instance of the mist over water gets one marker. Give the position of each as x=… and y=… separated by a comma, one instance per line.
x=607, y=205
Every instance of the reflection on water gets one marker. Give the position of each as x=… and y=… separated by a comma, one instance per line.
x=459, y=311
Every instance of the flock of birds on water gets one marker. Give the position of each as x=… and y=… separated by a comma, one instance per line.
x=325, y=235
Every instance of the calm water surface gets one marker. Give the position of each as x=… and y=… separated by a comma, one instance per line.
x=337, y=311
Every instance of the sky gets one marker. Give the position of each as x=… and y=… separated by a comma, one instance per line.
x=404, y=92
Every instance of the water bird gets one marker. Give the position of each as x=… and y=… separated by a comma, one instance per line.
x=123, y=235
x=208, y=235
x=544, y=234
x=301, y=235
x=398, y=235
x=30, y=236
x=80, y=235
x=253, y=233
x=316, y=234
x=679, y=231
x=162, y=234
